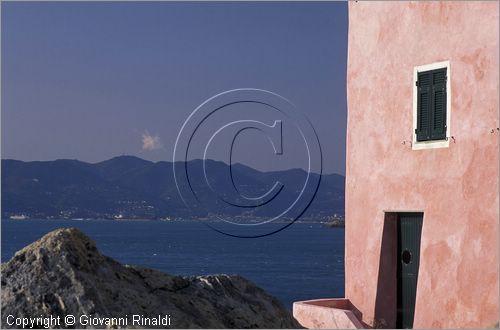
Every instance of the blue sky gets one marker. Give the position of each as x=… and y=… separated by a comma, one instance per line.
x=91, y=81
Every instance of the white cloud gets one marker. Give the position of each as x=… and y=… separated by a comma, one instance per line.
x=150, y=142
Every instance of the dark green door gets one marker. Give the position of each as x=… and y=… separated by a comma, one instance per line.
x=409, y=233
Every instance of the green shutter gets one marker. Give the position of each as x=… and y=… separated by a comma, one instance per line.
x=424, y=86
x=438, y=131
x=431, y=105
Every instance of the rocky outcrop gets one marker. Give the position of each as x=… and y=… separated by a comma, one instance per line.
x=64, y=274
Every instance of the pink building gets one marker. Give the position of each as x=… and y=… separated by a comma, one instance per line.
x=422, y=181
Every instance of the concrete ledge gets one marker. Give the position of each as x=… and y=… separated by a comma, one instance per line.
x=326, y=314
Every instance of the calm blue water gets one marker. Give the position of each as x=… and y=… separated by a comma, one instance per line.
x=304, y=261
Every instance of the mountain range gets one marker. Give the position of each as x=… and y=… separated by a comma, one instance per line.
x=129, y=187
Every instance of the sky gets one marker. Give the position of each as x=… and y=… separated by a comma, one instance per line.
x=95, y=80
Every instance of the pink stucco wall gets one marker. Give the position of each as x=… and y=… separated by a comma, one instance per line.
x=457, y=187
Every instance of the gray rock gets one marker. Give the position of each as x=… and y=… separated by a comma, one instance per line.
x=63, y=274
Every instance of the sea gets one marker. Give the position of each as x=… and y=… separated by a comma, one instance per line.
x=304, y=261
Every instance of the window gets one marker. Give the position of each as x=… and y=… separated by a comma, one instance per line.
x=431, y=106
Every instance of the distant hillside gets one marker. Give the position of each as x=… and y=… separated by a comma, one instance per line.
x=136, y=188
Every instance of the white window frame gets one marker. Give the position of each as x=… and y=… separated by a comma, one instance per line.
x=421, y=145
